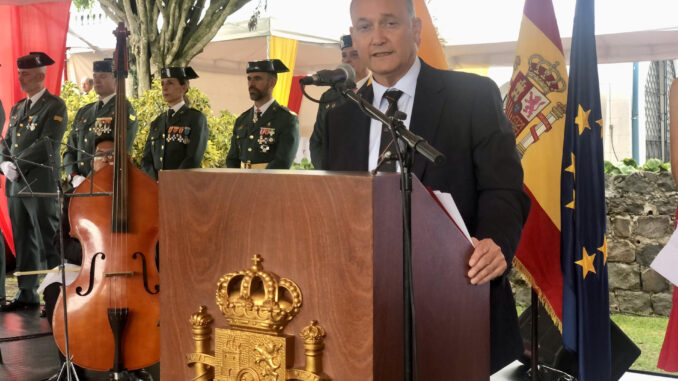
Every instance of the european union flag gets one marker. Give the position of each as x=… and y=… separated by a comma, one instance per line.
x=586, y=316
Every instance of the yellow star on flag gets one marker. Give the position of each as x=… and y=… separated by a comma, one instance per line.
x=571, y=204
x=603, y=249
x=600, y=123
x=586, y=263
x=571, y=167
x=582, y=119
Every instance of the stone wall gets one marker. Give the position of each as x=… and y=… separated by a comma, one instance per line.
x=641, y=212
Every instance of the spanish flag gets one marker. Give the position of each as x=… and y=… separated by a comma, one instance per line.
x=430, y=49
x=536, y=106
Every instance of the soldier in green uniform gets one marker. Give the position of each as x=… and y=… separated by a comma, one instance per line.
x=177, y=138
x=31, y=146
x=266, y=135
x=94, y=120
x=332, y=98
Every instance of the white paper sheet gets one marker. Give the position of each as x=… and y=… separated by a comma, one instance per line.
x=451, y=208
x=666, y=262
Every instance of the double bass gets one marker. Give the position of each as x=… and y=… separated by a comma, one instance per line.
x=113, y=304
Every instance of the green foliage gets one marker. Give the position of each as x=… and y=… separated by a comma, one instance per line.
x=305, y=164
x=648, y=334
x=630, y=162
x=628, y=166
x=83, y=4
x=149, y=106
x=70, y=93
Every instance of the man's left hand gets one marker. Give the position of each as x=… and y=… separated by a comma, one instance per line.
x=487, y=261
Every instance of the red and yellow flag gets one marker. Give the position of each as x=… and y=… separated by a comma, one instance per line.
x=430, y=49
x=536, y=106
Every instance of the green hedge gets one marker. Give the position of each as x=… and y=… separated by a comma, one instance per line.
x=628, y=166
x=148, y=107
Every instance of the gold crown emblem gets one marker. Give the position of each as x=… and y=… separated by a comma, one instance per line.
x=545, y=74
x=256, y=300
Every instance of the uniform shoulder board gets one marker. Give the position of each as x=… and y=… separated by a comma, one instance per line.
x=58, y=118
x=287, y=110
x=132, y=117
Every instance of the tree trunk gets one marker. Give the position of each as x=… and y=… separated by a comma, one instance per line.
x=185, y=29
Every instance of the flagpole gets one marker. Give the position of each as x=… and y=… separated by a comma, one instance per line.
x=534, y=360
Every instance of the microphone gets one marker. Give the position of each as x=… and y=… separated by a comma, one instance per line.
x=342, y=73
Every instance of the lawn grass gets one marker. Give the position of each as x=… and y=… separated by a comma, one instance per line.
x=648, y=334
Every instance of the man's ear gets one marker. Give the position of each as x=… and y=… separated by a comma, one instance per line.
x=417, y=27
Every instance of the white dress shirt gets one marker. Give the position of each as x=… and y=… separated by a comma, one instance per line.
x=408, y=85
x=34, y=99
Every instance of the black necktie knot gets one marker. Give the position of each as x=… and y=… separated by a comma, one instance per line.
x=392, y=97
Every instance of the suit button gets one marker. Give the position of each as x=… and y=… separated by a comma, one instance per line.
x=82, y=163
x=249, y=150
x=85, y=140
x=251, y=136
x=18, y=134
x=162, y=146
x=160, y=159
x=16, y=145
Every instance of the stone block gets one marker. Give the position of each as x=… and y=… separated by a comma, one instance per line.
x=652, y=282
x=634, y=302
x=653, y=226
x=622, y=226
x=665, y=182
x=645, y=254
x=623, y=276
x=614, y=304
x=661, y=304
x=619, y=250
x=636, y=183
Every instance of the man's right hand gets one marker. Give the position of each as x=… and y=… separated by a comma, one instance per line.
x=77, y=180
x=9, y=169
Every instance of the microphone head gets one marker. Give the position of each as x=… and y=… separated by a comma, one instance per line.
x=350, y=73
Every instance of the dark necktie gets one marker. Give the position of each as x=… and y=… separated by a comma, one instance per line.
x=28, y=107
x=387, y=144
x=100, y=105
x=170, y=113
x=257, y=115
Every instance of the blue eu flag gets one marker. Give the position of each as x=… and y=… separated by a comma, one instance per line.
x=586, y=316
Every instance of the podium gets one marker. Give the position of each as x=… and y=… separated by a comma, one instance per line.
x=338, y=235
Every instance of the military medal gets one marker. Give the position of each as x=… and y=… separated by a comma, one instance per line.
x=265, y=138
x=32, y=123
x=102, y=126
x=178, y=134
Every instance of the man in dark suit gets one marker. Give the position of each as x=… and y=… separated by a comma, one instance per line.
x=36, y=126
x=95, y=120
x=266, y=136
x=332, y=98
x=459, y=114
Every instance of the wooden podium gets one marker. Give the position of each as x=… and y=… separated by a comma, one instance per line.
x=338, y=236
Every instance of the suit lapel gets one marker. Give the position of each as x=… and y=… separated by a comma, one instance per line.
x=426, y=111
x=268, y=115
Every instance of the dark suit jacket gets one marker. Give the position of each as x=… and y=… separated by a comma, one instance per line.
x=34, y=137
x=461, y=115
x=177, y=143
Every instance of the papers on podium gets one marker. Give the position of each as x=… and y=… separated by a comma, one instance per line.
x=446, y=202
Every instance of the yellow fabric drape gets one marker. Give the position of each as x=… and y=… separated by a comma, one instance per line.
x=430, y=49
x=284, y=49
x=480, y=70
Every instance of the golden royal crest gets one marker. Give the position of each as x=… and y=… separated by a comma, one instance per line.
x=257, y=305
x=529, y=99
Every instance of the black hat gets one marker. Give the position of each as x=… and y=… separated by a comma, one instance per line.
x=267, y=66
x=33, y=60
x=178, y=72
x=345, y=41
x=105, y=66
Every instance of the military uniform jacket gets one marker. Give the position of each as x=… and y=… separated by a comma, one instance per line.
x=329, y=100
x=177, y=143
x=273, y=139
x=90, y=123
x=34, y=137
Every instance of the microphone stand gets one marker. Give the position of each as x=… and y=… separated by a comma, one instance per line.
x=413, y=143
